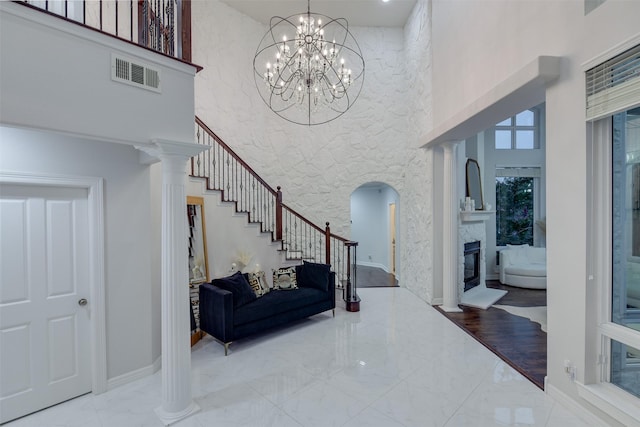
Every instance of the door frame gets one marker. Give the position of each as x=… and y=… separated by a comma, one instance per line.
x=393, y=237
x=95, y=204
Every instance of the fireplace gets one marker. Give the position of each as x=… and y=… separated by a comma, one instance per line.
x=471, y=265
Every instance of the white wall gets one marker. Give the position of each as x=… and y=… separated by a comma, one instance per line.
x=491, y=41
x=128, y=259
x=56, y=75
x=319, y=167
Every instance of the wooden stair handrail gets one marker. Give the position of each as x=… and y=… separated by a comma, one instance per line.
x=234, y=155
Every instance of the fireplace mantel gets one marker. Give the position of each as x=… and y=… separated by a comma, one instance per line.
x=474, y=216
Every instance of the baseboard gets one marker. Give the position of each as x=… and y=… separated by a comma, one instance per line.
x=373, y=264
x=573, y=406
x=437, y=301
x=123, y=379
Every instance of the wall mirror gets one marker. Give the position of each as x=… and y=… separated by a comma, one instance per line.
x=474, y=183
x=198, y=263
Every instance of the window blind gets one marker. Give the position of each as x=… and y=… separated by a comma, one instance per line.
x=614, y=85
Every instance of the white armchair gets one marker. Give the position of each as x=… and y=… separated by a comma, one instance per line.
x=524, y=266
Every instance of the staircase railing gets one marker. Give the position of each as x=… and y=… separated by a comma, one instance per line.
x=224, y=171
x=161, y=25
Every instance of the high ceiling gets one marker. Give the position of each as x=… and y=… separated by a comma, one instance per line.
x=367, y=13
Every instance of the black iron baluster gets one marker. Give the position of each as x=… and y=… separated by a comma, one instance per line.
x=131, y=20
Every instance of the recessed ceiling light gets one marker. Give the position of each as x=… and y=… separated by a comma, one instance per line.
x=385, y=1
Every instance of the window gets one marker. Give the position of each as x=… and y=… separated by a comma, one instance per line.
x=612, y=382
x=516, y=192
x=625, y=257
x=519, y=132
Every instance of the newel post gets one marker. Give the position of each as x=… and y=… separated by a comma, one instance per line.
x=279, y=214
x=351, y=297
x=327, y=246
x=185, y=29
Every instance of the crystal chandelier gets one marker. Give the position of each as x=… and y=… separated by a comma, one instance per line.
x=308, y=69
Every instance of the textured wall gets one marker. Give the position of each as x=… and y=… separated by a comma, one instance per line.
x=319, y=167
x=416, y=197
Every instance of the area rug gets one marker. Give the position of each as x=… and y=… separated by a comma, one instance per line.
x=535, y=314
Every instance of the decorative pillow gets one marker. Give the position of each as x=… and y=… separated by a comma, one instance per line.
x=285, y=278
x=236, y=284
x=258, y=283
x=518, y=254
x=313, y=275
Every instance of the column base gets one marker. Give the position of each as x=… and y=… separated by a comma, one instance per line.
x=353, y=305
x=169, y=418
x=455, y=309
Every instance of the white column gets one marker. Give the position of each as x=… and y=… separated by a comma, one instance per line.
x=450, y=229
x=177, y=402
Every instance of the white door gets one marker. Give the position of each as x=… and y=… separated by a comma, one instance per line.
x=44, y=317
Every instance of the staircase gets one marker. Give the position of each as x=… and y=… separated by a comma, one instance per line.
x=224, y=171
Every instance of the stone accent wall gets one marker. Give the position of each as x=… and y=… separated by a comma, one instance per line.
x=416, y=218
x=319, y=167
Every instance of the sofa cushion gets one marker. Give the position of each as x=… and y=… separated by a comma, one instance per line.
x=313, y=275
x=285, y=279
x=258, y=283
x=236, y=284
x=275, y=303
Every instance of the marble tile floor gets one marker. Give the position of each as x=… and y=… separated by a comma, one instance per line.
x=398, y=362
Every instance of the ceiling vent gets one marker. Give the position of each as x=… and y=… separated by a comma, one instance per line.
x=135, y=74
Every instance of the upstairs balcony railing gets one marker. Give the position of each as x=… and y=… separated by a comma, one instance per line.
x=238, y=183
x=161, y=25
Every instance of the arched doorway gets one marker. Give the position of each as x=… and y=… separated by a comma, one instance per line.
x=374, y=225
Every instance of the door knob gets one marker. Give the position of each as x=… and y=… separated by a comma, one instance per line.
x=82, y=302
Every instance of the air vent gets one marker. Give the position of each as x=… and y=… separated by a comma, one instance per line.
x=135, y=74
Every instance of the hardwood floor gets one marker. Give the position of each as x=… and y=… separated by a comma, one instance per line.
x=516, y=340
x=372, y=277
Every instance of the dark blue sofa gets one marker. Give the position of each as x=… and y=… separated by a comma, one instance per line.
x=227, y=322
